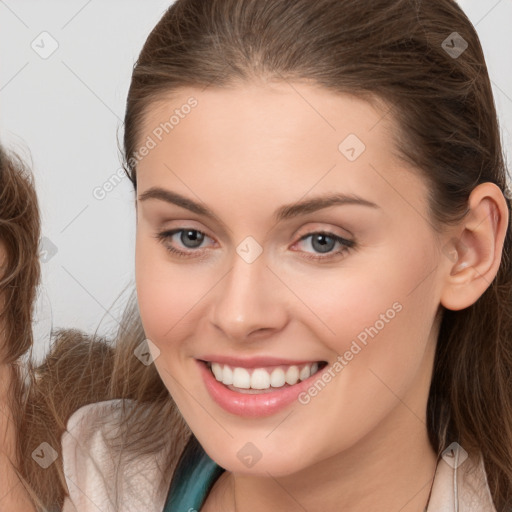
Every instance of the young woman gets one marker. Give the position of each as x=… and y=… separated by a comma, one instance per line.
x=19, y=276
x=323, y=269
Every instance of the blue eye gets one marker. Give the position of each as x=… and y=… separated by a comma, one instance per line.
x=191, y=239
x=324, y=242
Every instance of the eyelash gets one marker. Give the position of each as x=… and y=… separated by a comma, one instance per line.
x=347, y=245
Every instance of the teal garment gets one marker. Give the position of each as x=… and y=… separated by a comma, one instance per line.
x=193, y=478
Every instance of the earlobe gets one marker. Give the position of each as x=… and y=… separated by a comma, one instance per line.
x=473, y=257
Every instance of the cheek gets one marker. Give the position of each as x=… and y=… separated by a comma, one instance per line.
x=379, y=308
x=342, y=305
x=156, y=293
x=169, y=296
x=391, y=321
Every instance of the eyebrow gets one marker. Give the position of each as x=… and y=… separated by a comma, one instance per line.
x=284, y=212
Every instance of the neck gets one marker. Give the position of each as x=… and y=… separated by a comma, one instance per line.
x=368, y=477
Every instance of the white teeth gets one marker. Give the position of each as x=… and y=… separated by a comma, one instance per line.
x=292, y=375
x=241, y=378
x=217, y=371
x=227, y=375
x=304, y=373
x=261, y=378
x=277, y=378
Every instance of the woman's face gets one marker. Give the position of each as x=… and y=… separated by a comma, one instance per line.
x=261, y=280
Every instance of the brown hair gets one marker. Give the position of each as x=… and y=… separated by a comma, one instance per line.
x=389, y=51
x=19, y=234
x=19, y=277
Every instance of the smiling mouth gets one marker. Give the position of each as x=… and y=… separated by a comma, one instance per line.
x=264, y=379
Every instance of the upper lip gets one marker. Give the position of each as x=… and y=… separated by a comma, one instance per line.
x=255, y=362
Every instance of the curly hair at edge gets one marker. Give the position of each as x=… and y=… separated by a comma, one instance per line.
x=19, y=278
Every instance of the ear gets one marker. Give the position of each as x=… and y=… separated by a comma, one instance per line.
x=473, y=254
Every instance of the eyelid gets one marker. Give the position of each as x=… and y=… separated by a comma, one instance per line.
x=184, y=226
x=300, y=234
x=320, y=227
x=346, y=244
x=169, y=233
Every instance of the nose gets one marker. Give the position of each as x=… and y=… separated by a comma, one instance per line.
x=250, y=301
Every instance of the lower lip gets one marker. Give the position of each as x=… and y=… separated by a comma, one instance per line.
x=252, y=405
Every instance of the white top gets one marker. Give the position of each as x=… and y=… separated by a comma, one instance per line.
x=99, y=480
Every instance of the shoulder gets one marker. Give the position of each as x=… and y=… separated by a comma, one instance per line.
x=89, y=427
x=103, y=474
x=472, y=479
x=461, y=484
x=99, y=417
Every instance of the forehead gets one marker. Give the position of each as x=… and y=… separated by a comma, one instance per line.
x=265, y=137
x=271, y=112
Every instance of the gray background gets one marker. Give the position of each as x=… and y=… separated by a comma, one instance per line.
x=63, y=112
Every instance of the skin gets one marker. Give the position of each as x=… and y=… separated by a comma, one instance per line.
x=13, y=496
x=361, y=443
